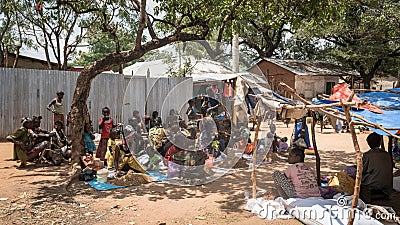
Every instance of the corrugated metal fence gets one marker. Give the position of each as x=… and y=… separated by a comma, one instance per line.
x=26, y=92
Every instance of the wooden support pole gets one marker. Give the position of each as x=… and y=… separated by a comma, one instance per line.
x=368, y=123
x=320, y=106
x=314, y=141
x=253, y=171
x=298, y=97
x=356, y=192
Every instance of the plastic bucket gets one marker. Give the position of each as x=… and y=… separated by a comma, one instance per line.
x=102, y=175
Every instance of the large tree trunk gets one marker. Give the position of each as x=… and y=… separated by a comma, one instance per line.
x=121, y=69
x=78, y=114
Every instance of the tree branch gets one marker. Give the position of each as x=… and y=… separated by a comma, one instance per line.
x=226, y=18
x=161, y=21
x=335, y=41
x=142, y=23
x=150, y=27
x=127, y=56
x=213, y=54
x=254, y=46
x=70, y=4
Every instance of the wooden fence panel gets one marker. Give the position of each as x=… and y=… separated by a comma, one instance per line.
x=27, y=92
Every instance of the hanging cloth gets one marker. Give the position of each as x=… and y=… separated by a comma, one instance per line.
x=228, y=90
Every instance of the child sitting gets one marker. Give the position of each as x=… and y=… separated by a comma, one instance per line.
x=154, y=159
x=88, y=161
x=112, y=147
x=59, y=139
x=283, y=146
x=298, y=179
x=88, y=138
x=120, y=157
x=127, y=162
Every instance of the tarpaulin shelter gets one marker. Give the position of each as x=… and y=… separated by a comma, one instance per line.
x=342, y=92
x=383, y=107
x=348, y=114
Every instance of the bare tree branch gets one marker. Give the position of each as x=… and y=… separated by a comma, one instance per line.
x=226, y=18
x=142, y=23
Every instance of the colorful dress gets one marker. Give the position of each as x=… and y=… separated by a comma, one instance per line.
x=32, y=150
x=112, y=147
x=22, y=135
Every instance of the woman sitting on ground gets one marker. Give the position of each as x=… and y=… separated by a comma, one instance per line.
x=25, y=147
x=298, y=180
x=60, y=141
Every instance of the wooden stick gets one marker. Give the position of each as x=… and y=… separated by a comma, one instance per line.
x=320, y=106
x=367, y=123
x=298, y=97
x=253, y=172
x=374, y=126
x=393, y=128
x=382, y=144
x=356, y=192
x=369, y=90
x=317, y=158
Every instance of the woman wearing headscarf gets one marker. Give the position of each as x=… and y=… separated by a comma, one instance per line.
x=25, y=147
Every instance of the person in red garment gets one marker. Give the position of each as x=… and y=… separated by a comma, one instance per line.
x=106, y=124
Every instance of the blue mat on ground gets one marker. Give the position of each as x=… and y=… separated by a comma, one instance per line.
x=156, y=176
x=102, y=186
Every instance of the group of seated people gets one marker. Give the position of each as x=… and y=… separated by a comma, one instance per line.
x=177, y=141
x=298, y=180
x=33, y=144
x=174, y=141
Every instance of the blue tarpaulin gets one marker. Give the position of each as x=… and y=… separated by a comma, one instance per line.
x=286, y=100
x=389, y=119
x=102, y=186
x=389, y=103
x=385, y=99
x=394, y=90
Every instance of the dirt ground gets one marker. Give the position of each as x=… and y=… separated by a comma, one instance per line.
x=34, y=195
